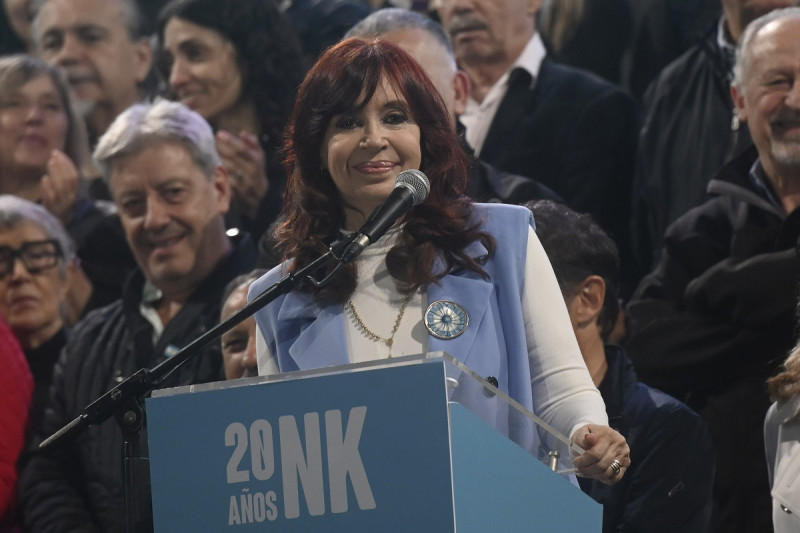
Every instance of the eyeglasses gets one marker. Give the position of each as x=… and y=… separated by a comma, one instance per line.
x=37, y=256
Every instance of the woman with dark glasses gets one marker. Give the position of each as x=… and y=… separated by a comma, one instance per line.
x=40, y=281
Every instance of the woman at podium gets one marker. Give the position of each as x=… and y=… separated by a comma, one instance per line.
x=450, y=275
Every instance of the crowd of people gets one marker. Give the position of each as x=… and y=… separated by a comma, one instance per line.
x=615, y=210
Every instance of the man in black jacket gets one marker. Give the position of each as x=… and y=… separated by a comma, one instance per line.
x=427, y=42
x=172, y=192
x=532, y=116
x=716, y=317
x=689, y=129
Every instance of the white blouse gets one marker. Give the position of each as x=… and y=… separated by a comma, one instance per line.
x=559, y=377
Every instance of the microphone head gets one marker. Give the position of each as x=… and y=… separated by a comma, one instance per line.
x=417, y=182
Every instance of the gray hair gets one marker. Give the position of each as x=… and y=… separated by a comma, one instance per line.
x=15, y=211
x=744, y=51
x=132, y=18
x=17, y=70
x=394, y=18
x=142, y=125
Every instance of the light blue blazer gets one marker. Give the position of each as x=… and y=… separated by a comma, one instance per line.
x=303, y=335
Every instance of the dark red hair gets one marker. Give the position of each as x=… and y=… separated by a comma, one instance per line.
x=313, y=212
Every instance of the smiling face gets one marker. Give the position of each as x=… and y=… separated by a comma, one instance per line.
x=172, y=214
x=366, y=148
x=770, y=100
x=33, y=121
x=89, y=41
x=203, y=70
x=31, y=303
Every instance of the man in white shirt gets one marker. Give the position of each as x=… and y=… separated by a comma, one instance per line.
x=531, y=116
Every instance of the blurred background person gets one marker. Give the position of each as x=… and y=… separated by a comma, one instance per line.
x=42, y=151
x=668, y=486
x=105, y=52
x=366, y=112
x=15, y=27
x=42, y=145
x=527, y=114
x=715, y=318
x=37, y=274
x=690, y=129
x=238, y=64
x=321, y=23
x=16, y=386
x=782, y=443
x=239, y=342
x=428, y=43
x=590, y=34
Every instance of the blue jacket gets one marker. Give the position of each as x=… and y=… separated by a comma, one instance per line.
x=668, y=486
x=302, y=335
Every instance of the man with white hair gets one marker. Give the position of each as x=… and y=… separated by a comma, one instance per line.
x=171, y=191
x=717, y=315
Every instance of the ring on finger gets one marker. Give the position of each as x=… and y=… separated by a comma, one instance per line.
x=616, y=467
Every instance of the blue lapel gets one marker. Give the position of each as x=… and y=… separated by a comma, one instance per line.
x=322, y=342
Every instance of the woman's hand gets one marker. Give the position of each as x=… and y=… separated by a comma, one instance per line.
x=59, y=187
x=607, y=455
x=245, y=162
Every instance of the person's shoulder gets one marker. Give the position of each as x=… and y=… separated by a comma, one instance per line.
x=272, y=276
x=502, y=214
x=97, y=317
x=667, y=417
x=578, y=81
x=677, y=77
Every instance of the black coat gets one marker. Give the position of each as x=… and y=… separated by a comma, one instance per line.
x=577, y=134
x=79, y=486
x=666, y=489
x=714, y=320
x=686, y=138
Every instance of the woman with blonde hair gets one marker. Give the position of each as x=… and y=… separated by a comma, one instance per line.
x=782, y=443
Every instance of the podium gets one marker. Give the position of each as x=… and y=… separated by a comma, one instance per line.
x=371, y=447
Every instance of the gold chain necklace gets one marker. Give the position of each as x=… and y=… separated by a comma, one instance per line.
x=374, y=336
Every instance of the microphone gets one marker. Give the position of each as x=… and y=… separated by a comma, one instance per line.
x=411, y=188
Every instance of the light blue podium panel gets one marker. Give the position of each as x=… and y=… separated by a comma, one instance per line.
x=371, y=447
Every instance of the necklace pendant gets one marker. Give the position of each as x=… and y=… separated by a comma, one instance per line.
x=389, y=342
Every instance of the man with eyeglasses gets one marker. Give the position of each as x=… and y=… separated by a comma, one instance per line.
x=163, y=170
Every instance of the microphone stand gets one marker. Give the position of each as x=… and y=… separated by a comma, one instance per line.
x=126, y=400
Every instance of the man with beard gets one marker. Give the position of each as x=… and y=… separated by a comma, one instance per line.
x=103, y=49
x=689, y=131
x=716, y=317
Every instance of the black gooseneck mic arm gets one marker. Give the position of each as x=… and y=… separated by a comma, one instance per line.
x=125, y=401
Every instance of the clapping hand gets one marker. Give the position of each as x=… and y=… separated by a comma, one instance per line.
x=245, y=162
x=59, y=187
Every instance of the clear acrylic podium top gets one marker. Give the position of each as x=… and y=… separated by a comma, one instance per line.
x=494, y=406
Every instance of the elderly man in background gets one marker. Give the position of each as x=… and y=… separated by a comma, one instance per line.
x=717, y=315
x=572, y=130
x=427, y=42
x=104, y=50
x=172, y=192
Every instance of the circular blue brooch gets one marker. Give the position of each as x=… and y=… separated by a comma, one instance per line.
x=445, y=319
